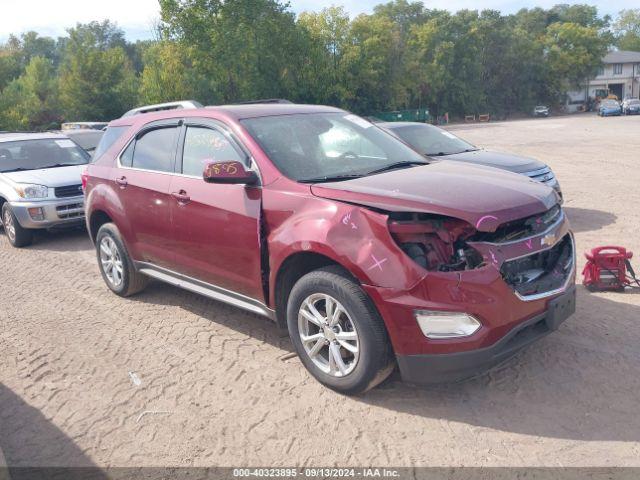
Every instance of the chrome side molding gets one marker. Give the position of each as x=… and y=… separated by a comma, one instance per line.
x=206, y=289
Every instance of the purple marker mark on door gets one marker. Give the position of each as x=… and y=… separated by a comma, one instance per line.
x=346, y=220
x=529, y=244
x=486, y=217
x=377, y=263
x=493, y=258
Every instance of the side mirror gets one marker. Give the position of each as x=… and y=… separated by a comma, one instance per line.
x=228, y=172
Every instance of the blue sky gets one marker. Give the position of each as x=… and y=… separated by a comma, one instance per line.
x=137, y=17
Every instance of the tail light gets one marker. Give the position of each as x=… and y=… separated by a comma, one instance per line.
x=85, y=178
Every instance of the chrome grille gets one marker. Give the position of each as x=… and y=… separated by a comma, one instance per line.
x=73, y=210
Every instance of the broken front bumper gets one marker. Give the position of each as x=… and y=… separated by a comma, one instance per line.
x=512, y=300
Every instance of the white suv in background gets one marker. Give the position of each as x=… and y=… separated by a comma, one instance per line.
x=40, y=184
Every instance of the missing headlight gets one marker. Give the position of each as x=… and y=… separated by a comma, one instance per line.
x=435, y=243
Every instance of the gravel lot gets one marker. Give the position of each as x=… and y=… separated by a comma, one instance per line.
x=168, y=378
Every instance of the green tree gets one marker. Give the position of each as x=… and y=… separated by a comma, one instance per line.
x=248, y=48
x=582, y=14
x=574, y=54
x=446, y=63
x=30, y=101
x=368, y=61
x=96, y=79
x=168, y=75
x=627, y=30
x=326, y=35
x=17, y=52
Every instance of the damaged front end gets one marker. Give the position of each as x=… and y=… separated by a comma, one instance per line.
x=501, y=277
x=434, y=242
x=534, y=255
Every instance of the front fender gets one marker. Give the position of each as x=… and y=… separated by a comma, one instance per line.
x=7, y=190
x=355, y=237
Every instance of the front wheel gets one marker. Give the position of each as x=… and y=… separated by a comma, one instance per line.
x=338, y=333
x=17, y=235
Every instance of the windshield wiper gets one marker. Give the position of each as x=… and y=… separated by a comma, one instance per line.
x=330, y=178
x=396, y=165
x=444, y=154
x=61, y=165
x=18, y=169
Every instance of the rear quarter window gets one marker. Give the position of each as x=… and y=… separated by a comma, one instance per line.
x=111, y=136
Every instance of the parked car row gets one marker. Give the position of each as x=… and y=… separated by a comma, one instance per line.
x=370, y=253
x=610, y=107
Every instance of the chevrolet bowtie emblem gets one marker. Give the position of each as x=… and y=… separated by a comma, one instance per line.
x=548, y=240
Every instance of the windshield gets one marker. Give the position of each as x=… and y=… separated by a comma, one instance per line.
x=432, y=140
x=317, y=146
x=43, y=153
x=87, y=139
x=610, y=103
x=633, y=102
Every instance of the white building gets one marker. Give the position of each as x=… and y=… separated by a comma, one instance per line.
x=620, y=75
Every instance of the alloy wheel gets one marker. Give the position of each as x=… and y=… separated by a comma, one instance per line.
x=9, y=226
x=328, y=335
x=111, y=261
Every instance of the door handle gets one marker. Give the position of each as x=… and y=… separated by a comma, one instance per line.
x=122, y=181
x=181, y=197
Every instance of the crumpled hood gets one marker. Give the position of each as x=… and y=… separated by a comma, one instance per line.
x=49, y=177
x=482, y=196
x=505, y=161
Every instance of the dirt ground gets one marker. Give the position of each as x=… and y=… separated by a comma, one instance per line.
x=168, y=378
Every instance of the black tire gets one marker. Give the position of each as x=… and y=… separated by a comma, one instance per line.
x=376, y=359
x=132, y=281
x=22, y=237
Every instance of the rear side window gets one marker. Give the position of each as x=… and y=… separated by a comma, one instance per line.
x=111, y=136
x=127, y=156
x=204, y=145
x=155, y=150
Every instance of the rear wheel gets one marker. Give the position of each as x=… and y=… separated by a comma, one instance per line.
x=338, y=333
x=116, y=267
x=18, y=236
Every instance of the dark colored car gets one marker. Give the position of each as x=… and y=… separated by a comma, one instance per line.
x=368, y=253
x=631, y=106
x=87, y=139
x=439, y=143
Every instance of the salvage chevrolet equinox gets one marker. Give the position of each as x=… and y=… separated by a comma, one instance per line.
x=368, y=253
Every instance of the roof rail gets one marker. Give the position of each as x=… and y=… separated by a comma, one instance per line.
x=163, y=106
x=266, y=100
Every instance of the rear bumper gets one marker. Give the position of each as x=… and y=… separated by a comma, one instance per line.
x=59, y=213
x=452, y=367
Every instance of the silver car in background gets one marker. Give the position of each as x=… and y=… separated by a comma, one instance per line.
x=40, y=184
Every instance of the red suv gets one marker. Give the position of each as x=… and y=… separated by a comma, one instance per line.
x=369, y=253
